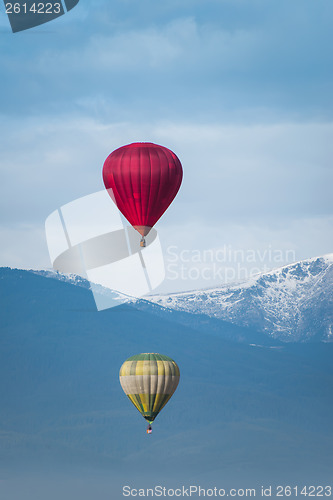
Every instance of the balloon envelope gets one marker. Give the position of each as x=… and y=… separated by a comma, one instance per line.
x=144, y=179
x=149, y=380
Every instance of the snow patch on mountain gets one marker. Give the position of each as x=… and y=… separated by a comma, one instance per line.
x=294, y=302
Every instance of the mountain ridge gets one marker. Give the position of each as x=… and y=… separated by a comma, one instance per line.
x=291, y=303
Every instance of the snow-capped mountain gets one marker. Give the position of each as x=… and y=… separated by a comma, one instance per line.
x=293, y=303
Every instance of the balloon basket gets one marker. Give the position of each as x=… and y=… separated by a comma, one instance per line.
x=142, y=242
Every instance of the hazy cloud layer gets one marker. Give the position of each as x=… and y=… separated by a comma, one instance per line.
x=250, y=186
x=229, y=60
x=239, y=89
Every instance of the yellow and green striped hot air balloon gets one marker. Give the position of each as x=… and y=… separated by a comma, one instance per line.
x=149, y=380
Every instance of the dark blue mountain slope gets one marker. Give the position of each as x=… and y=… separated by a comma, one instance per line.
x=240, y=409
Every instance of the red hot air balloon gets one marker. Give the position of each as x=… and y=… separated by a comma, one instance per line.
x=144, y=179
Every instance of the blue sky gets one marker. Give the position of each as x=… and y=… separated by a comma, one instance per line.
x=241, y=90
